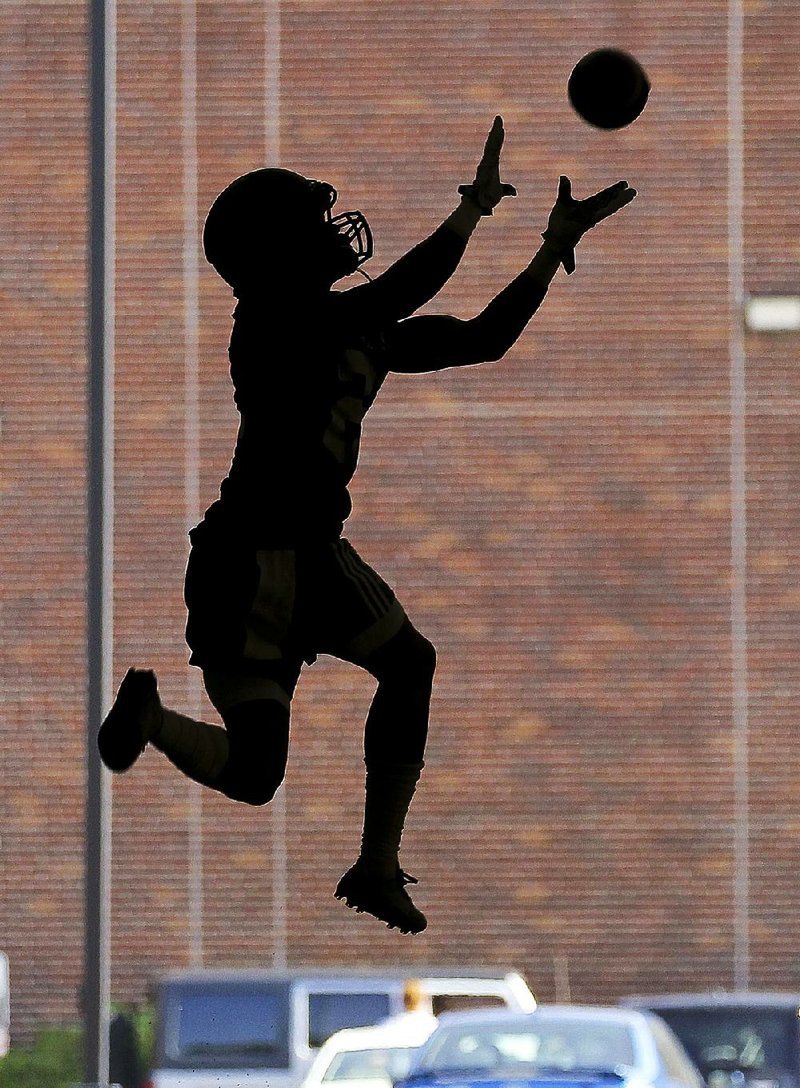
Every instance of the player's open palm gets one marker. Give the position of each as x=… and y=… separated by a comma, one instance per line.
x=570, y=218
x=487, y=190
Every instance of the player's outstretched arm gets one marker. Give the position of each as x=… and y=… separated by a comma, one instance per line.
x=434, y=342
x=421, y=273
x=437, y=341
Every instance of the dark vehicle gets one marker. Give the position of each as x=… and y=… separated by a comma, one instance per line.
x=557, y=1046
x=747, y=1039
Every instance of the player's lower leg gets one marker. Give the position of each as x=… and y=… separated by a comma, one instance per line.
x=394, y=744
x=376, y=883
x=246, y=760
x=138, y=718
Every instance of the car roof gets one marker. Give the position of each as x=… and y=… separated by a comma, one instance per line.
x=604, y=1013
x=327, y=974
x=715, y=999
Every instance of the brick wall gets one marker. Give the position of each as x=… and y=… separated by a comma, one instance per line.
x=559, y=523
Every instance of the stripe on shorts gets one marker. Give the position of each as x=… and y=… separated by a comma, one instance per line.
x=372, y=592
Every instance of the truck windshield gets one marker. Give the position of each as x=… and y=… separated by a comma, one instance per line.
x=213, y=1025
x=747, y=1039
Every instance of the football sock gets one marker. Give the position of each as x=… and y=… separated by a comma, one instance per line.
x=198, y=749
x=389, y=790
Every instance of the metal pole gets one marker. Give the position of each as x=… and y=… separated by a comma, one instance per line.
x=96, y=992
x=191, y=401
x=272, y=156
x=738, y=392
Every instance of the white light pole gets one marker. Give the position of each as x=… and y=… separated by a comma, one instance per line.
x=738, y=452
x=191, y=404
x=96, y=990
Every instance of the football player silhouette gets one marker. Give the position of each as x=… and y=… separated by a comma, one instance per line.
x=271, y=582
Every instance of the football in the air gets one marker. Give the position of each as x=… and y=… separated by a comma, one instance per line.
x=608, y=88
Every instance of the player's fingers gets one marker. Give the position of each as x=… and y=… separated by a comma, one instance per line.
x=607, y=202
x=509, y=190
x=614, y=205
x=627, y=197
x=494, y=142
x=619, y=198
x=597, y=200
x=616, y=192
x=564, y=188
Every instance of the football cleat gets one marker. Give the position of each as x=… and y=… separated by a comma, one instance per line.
x=383, y=897
x=134, y=718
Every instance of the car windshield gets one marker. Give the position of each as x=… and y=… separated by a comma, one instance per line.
x=745, y=1038
x=381, y=1063
x=556, y=1044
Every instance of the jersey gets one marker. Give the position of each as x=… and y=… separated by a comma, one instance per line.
x=304, y=377
x=301, y=399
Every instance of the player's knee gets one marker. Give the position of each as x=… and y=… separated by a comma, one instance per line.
x=258, y=734
x=253, y=784
x=408, y=658
x=416, y=655
x=258, y=789
x=425, y=658
x=413, y=660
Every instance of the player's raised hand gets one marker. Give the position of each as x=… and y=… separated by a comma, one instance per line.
x=570, y=218
x=487, y=190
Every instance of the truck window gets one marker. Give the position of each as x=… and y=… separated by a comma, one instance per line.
x=227, y=1024
x=459, y=1002
x=675, y=1062
x=750, y=1039
x=329, y=1012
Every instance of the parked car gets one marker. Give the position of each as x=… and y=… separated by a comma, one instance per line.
x=373, y=1057
x=557, y=1046
x=735, y=1038
x=218, y=1028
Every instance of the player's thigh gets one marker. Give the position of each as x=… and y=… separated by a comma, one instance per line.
x=241, y=615
x=350, y=608
x=275, y=681
x=220, y=585
x=408, y=657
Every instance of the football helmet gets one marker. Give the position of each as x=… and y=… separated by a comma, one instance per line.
x=274, y=217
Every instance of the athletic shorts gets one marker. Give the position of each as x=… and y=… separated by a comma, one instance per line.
x=256, y=615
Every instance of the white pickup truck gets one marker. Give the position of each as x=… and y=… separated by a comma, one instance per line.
x=261, y=1028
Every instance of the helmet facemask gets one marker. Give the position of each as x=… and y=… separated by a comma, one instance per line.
x=352, y=227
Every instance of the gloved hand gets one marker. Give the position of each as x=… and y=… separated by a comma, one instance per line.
x=570, y=219
x=487, y=190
